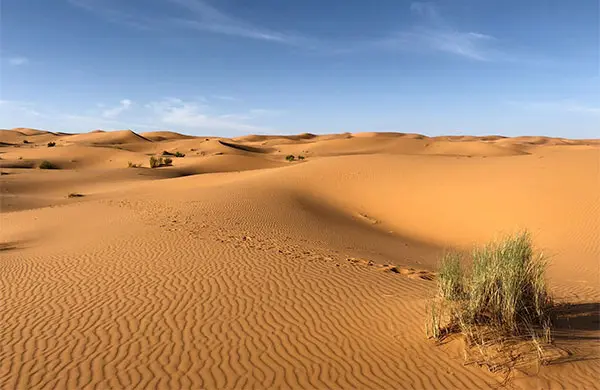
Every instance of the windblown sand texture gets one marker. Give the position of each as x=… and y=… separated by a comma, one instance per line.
x=236, y=269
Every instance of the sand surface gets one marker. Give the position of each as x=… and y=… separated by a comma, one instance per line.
x=234, y=268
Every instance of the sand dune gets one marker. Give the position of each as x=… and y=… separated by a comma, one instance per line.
x=163, y=135
x=106, y=138
x=234, y=268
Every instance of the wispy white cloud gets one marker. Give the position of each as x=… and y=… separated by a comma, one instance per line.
x=201, y=16
x=208, y=18
x=18, y=61
x=192, y=115
x=27, y=108
x=124, y=105
x=227, y=98
x=115, y=15
x=434, y=33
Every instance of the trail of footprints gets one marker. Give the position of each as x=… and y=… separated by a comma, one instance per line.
x=165, y=309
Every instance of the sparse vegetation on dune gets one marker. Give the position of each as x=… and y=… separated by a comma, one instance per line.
x=156, y=162
x=133, y=165
x=47, y=165
x=500, y=301
x=51, y=144
x=75, y=195
x=176, y=154
x=291, y=157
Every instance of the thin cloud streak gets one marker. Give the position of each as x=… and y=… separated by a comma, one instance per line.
x=208, y=18
x=433, y=33
x=124, y=105
x=18, y=61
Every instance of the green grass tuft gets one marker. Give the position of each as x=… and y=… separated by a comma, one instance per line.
x=502, y=296
x=450, y=277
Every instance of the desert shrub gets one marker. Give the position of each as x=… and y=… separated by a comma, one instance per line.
x=156, y=162
x=290, y=157
x=300, y=157
x=502, y=299
x=51, y=144
x=133, y=165
x=26, y=142
x=47, y=165
x=179, y=154
x=75, y=195
x=165, y=153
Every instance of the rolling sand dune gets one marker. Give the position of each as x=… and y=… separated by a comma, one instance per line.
x=234, y=268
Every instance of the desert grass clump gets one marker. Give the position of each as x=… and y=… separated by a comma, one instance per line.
x=51, y=144
x=179, y=154
x=133, y=165
x=75, y=195
x=501, y=300
x=290, y=157
x=450, y=277
x=156, y=162
x=47, y=165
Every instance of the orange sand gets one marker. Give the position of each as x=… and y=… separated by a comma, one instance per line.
x=235, y=268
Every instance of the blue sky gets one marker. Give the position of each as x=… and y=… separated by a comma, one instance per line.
x=230, y=67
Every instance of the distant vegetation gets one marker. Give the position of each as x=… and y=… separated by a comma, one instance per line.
x=47, y=165
x=176, y=154
x=75, y=195
x=501, y=301
x=133, y=165
x=26, y=142
x=51, y=144
x=291, y=157
x=156, y=162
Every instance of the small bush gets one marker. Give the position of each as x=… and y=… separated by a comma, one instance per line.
x=75, y=195
x=290, y=157
x=26, y=142
x=165, y=153
x=502, y=299
x=47, y=165
x=133, y=165
x=156, y=162
x=51, y=144
x=300, y=157
x=179, y=154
